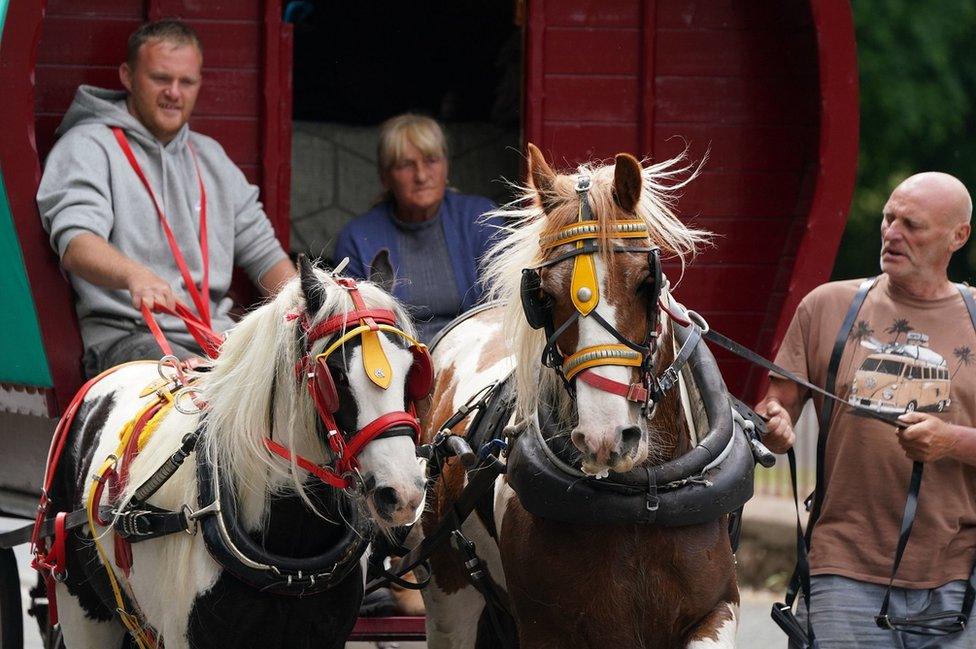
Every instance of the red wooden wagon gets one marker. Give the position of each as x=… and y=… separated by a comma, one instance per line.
x=767, y=89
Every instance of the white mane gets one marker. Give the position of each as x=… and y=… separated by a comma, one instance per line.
x=519, y=249
x=255, y=374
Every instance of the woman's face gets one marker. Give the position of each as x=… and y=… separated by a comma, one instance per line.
x=418, y=183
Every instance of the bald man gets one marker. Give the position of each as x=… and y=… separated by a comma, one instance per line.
x=911, y=352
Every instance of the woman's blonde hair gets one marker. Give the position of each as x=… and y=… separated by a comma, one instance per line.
x=422, y=132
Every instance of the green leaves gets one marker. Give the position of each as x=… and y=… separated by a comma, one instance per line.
x=917, y=64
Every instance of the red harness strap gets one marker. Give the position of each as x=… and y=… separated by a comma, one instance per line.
x=200, y=295
x=208, y=339
x=633, y=391
x=49, y=559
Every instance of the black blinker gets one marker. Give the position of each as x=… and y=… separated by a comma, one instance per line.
x=536, y=304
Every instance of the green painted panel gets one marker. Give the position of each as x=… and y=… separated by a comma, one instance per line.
x=22, y=357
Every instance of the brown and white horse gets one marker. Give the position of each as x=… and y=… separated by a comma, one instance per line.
x=581, y=585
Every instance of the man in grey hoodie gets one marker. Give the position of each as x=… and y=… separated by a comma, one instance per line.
x=104, y=222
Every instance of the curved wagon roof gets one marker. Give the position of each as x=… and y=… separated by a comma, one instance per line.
x=767, y=90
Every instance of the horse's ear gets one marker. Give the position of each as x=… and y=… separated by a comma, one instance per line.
x=311, y=286
x=541, y=176
x=627, y=182
x=381, y=270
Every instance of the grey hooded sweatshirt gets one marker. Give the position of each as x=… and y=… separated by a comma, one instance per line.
x=89, y=186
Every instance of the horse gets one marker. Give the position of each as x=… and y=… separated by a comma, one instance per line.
x=304, y=449
x=575, y=280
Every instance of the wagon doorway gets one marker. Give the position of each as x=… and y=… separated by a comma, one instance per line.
x=357, y=64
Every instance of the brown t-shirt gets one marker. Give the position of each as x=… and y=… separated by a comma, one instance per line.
x=903, y=353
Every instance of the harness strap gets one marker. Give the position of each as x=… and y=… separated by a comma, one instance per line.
x=200, y=295
x=480, y=480
x=632, y=392
x=325, y=474
x=208, y=339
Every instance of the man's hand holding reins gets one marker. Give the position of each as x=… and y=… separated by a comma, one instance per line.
x=146, y=287
x=928, y=438
x=779, y=436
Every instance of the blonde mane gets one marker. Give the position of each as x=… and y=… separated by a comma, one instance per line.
x=518, y=248
x=252, y=390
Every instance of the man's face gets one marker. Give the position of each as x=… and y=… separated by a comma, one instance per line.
x=163, y=85
x=418, y=182
x=919, y=233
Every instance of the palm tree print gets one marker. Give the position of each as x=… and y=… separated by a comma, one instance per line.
x=861, y=331
x=964, y=355
x=898, y=327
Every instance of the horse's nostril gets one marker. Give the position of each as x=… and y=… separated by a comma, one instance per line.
x=385, y=499
x=629, y=439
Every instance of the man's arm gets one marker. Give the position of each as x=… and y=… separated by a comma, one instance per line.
x=781, y=406
x=97, y=261
x=928, y=438
x=276, y=277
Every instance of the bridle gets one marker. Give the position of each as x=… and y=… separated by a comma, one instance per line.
x=366, y=324
x=585, y=294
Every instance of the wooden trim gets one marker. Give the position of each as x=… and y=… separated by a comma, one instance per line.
x=275, y=121
x=50, y=291
x=645, y=143
x=534, y=77
x=837, y=161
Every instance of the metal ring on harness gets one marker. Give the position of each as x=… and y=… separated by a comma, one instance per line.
x=699, y=320
x=357, y=484
x=171, y=361
x=183, y=392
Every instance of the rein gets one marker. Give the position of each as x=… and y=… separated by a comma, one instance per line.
x=199, y=294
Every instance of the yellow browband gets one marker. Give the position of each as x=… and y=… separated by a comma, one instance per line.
x=600, y=355
x=584, y=286
x=375, y=362
x=630, y=229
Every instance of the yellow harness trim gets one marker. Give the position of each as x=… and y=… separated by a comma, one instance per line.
x=584, y=285
x=375, y=362
x=601, y=355
x=133, y=622
x=581, y=231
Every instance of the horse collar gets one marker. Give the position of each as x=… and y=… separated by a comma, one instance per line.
x=233, y=548
x=714, y=478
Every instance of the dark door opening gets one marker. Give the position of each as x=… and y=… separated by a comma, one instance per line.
x=357, y=64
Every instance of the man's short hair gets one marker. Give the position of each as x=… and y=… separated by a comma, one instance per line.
x=167, y=29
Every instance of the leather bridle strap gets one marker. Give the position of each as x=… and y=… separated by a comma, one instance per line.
x=382, y=427
x=632, y=392
x=200, y=295
x=323, y=473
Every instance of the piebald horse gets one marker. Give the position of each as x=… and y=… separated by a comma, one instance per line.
x=581, y=585
x=256, y=394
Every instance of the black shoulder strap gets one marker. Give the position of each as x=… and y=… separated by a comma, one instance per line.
x=967, y=298
x=801, y=573
x=827, y=408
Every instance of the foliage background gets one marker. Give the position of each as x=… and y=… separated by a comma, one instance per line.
x=917, y=64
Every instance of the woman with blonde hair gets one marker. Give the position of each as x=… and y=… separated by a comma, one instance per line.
x=434, y=236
